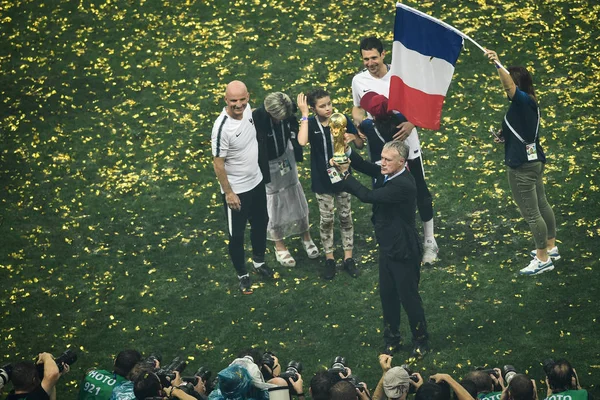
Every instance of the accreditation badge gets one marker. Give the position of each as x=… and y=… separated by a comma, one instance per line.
x=284, y=166
x=531, y=150
x=334, y=175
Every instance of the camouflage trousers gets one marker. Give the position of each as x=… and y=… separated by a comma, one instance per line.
x=326, y=211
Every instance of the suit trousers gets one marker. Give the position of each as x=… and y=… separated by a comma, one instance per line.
x=399, y=288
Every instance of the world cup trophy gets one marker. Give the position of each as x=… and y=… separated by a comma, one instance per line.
x=337, y=126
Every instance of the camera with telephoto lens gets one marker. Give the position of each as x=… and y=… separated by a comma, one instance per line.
x=291, y=374
x=339, y=366
x=548, y=364
x=356, y=382
x=203, y=374
x=5, y=373
x=411, y=376
x=489, y=371
x=68, y=357
x=292, y=370
x=167, y=374
x=153, y=358
x=508, y=372
x=492, y=373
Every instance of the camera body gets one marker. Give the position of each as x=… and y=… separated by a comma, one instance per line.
x=68, y=357
x=203, y=374
x=339, y=366
x=412, y=376
x=167, y=374
x=292, y=370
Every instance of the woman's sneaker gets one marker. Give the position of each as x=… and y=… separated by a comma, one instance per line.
x=536, y=267
x=552, y=253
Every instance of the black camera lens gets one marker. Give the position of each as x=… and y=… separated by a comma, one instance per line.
x=68, y=357
x=548, y=364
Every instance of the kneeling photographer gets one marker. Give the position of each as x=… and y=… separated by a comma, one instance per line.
x=38, y=381
x=397, y=382
x=562, y=381
x=150, y=386
x=99, y=384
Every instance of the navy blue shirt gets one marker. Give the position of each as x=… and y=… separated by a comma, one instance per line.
x=375, y=140
x=523, y=117
x=321, y=151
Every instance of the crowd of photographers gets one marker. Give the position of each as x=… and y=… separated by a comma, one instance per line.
x=256, y=375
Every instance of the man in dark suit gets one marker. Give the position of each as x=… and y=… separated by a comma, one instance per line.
x=394, y=205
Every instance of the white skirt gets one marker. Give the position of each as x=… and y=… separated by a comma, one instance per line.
x=286, y=203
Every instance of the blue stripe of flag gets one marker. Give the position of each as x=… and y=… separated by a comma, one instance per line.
x=426, y=36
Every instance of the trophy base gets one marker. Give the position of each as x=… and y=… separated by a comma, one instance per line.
x=340, y=158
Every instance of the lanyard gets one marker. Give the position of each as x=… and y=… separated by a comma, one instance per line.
x=378, y=134
x=275, y=136
x=519, y=136
x=325, y=147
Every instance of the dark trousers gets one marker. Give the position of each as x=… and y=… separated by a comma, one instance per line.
x=253, y=210
x=399, y=287
x=424, y=201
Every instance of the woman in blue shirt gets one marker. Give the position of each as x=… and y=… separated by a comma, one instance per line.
x=525, y=159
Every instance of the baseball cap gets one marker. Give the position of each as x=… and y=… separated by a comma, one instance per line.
x=375, y=104
x=396, y=382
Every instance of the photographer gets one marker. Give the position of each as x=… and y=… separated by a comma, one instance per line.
x=562, y=380
x=346, y=390
x=385, y=361
x=269, y=366
x=520, y=388
x=235, y=382
x=125, y=390
x=460, y=392
x=321, y=384
x=485, y=382
x=150, y=385
x=26, y=379
x=397, y=383
x=99, y=384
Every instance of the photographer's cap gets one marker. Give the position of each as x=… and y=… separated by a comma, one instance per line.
x=396, y=382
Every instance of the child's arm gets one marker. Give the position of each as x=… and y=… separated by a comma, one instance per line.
x=303, y=131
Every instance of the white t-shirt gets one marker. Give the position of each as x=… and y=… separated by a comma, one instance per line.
x=235, y=141
x=364, y=82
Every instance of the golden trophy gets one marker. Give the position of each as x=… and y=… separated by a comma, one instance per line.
x=337, y=126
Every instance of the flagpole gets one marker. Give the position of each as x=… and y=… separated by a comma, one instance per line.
x=450, y=27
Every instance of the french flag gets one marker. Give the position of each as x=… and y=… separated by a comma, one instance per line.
x=424, y=53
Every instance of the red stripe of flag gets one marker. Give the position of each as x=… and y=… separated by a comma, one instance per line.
x=421, y=109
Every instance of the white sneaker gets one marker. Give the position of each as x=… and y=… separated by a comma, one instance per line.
x=536, y=267
x=552, y=253
x=430, y=251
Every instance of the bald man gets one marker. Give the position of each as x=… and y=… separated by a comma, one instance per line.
x=236, y=164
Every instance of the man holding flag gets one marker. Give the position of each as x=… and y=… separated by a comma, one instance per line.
x=376, y=77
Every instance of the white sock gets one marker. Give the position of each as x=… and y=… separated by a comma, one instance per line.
x=258, y=264
x=243, y=276
x=428, y=231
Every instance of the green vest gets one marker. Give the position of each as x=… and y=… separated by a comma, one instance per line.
x=489, y=396
x=569, y=395
x=99, y=384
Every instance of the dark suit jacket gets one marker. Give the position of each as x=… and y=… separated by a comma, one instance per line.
x=394, y=208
